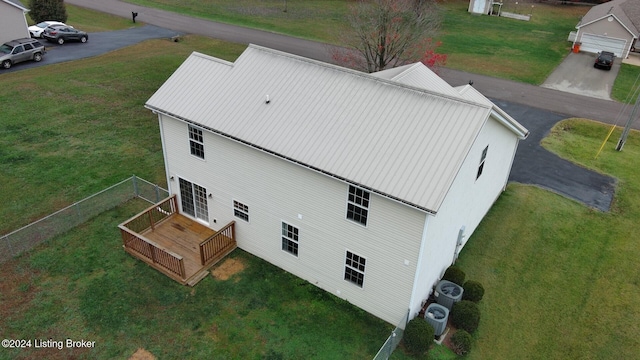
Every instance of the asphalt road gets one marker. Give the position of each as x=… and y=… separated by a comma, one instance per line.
x=537, y=108
x=571, y=105
x=98, y=43
x=535, y=165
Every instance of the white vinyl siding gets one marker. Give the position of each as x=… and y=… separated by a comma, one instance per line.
x=604, y=35
x=13, y=24
x=468, y=202
x=280, y=191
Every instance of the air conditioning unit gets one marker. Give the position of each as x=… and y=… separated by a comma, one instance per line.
x=437, y=316
x=448, y=293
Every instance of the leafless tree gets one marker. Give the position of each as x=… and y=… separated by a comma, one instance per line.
x=388, y=33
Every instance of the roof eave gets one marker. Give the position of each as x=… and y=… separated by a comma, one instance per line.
x=16, y=5
x=156, y=110
x=510, y=123
x=635, y=36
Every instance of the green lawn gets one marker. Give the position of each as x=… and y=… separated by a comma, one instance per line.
x=321, y=20
x=82, y=285
x=626, y=84
x=525, y=51
x=93, y=21
x=562, y=281
x=84, y=128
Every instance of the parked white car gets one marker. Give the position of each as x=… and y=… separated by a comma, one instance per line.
x=37, y=29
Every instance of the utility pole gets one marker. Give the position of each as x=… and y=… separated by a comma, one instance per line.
x=627, y=127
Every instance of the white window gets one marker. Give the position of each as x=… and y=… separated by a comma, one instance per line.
x=196, y=142
x=358, y=205
x=354, y=268
x=241, y=210
x=193, y=198
x=482, y=159
x=290, y=238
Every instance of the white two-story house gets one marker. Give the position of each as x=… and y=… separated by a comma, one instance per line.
x=365, y=185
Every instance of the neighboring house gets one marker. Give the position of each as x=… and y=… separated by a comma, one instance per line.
x=13, y=21
x=480, y=6
x=611, y=26
x=365, y=185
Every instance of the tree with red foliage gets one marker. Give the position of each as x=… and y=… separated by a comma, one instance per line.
x=389, y=33
x=431, y=58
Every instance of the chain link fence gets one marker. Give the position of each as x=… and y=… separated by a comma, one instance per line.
x=25, y=238
x=393, y=340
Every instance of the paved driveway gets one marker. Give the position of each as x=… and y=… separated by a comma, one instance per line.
x=577, y=75
x=99, y=43
x=537, y=166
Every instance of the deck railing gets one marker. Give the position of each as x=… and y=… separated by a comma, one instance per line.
x=147, y=249
x=153, y=253
x=152, y=215
x=218, y=244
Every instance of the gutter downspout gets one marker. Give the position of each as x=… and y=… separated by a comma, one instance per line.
x=164, y=154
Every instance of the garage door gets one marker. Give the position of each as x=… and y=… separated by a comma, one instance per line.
x=596, y=43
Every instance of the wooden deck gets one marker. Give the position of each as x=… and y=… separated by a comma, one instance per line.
x=174, y=244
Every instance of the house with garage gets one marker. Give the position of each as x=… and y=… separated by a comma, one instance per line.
x=611, y=26
x=365, y=185
x=13, y=20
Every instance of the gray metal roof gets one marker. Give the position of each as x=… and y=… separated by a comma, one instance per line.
x=626, y=12
x=16, y=3
x=402, y=141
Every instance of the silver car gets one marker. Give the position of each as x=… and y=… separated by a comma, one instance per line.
x=20, y=50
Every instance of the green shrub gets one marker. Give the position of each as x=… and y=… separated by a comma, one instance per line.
x=41, y=10
x=465, y=315
x=473, y=291
x=461, y=342
x=418, y=336
x=454, y=274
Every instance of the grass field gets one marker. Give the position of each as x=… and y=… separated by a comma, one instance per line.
x=562, y=281
x=626, y=84
x=83, y=128
x=82, y=285
x=525, y=51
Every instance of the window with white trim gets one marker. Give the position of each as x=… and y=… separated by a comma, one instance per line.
x=240, y=210
x=358, y=205
x=290, y=238
x=354, y=268
x=482, y=159
x=196, y=141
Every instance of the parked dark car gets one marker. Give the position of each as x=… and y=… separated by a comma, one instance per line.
x=605, y=60
x=20, y=50
x=63, y=34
